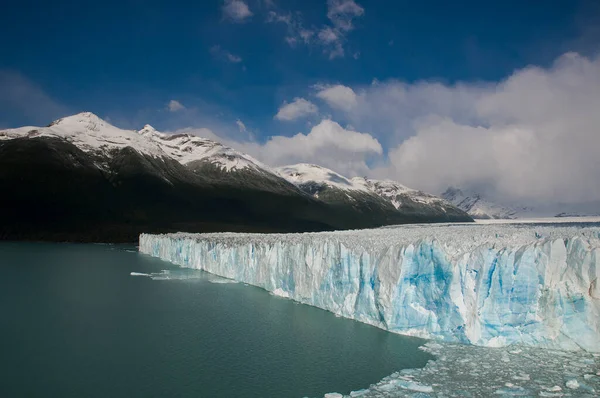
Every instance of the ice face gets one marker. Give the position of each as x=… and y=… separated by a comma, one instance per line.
x=486, y=285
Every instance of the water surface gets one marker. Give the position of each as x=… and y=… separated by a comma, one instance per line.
x=75, y=323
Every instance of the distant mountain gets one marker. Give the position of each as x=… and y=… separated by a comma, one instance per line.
x=82, y=179
x=479, y=207
x=387, y=201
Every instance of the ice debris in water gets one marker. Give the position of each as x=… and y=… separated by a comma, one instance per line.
x=488, y=285
x=183, y=274
x=471, y=371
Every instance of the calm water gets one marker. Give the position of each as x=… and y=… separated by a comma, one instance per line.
x=75, y=323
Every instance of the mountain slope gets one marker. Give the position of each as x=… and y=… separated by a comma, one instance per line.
x=479, y=207
x=82, y=179
x=387, y=202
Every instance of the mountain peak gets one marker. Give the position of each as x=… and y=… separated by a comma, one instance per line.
x=452, y=192
x=307, y=173
x=147, y=130
x=91, y=120
x=478, y=206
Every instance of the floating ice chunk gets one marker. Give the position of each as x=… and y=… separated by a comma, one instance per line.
x=550, y=394
x=359, y=393
x=554, y=388
x=512, y=391
x=139, y=274
x=572, y=384
x=450, y=374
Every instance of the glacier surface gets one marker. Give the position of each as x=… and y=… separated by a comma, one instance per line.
x=487, y=285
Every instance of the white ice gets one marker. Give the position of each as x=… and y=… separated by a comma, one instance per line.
x=471, y=371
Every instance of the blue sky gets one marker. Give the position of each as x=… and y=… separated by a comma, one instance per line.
x=235, y=63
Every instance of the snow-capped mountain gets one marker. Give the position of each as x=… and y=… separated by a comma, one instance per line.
x=81, y=178
x=392, y=197
x=91, y=134
x=187, y=148
x=479, y=207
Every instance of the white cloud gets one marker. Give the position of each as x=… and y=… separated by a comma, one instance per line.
x=175, y=106
x=236, y=10
x=327, y=144
x=330, y=37
x=223, y=54
x=296, y=109
x=338, y=96
x=296, y=32
x=233, y=58
x=241, y=126
x=342, y=12
x=530, y=138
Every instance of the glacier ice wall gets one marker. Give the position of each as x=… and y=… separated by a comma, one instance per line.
x=485, y=285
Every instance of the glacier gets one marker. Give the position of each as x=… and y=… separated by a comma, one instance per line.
x=486, y=285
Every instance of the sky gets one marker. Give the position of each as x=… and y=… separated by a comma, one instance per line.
x=502, y=97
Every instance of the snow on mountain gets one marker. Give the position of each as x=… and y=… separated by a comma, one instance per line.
x=188, y=148
x=390, y=191
x=92, y=134
x=304, y=173
x=479, y=207
x=394, y=192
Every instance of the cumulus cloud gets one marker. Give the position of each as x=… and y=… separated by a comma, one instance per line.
x=327, y=144
x=225, y=55
x=296, y=109
x=338, y=96
x=236, y=11
x=531, y=137
x=175, y=106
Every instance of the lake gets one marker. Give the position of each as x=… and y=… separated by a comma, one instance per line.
x=76, y=323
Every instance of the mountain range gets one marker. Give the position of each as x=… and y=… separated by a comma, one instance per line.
x=82, y=179
x=479, y=206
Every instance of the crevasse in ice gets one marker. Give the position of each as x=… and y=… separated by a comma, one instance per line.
x=489, y=285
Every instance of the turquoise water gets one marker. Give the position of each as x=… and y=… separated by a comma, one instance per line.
x=75, y=323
